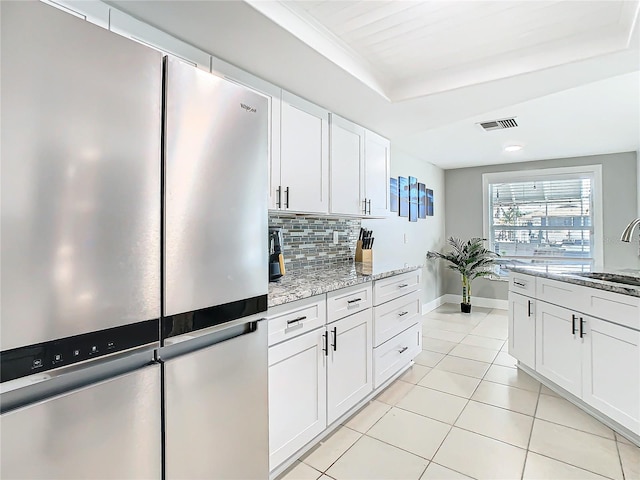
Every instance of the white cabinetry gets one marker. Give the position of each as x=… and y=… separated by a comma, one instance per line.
x=350, y=367
x=522, y=319
x=377, y=154
x=93, y=11
x=297, y=394
x=587, y=341
x=559, y=347
x=359, y=170
x=346, y=167
x=611, y=371
x=304, y=157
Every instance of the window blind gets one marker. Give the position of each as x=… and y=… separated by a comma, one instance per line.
x=546, y=224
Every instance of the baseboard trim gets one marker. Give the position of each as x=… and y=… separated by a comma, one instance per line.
x=477, y=301
x=432, y=305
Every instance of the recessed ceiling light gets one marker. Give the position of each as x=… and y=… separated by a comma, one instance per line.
x=512, y=148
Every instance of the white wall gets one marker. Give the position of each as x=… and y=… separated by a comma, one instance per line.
x=423, y=235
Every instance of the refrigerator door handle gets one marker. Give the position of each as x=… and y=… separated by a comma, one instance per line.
x=183, y=344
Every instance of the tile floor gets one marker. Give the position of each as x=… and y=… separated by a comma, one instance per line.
x=464, y=411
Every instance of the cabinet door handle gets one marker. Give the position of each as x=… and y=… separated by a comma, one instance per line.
x=354, y=300
x=582, y=332
x=519, y=284
x=279, y=197
x=286, y=192
x=528, y=308
x=573, y=324
x=403, y=349
x=335, y=339
x=325, y=341
x=402, y=314
x=365, y=206
x=369, y=202
x=295, y=320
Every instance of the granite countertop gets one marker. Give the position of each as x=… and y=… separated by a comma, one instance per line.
x=602, y=284
x=297, y=284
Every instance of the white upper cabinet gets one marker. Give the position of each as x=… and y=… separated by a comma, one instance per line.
x=273, y=95
x=376, y=174
x=304, y=157
x=92, y=11
x=127, y=26
x=346, y=167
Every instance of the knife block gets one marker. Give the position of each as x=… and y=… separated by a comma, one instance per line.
x=363, y=256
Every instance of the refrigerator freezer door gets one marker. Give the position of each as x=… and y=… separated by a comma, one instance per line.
x=80, y=217
x=215, y=191
x=216, y=417
x=109, y=430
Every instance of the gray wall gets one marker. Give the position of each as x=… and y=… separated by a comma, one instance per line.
x=422, y=236
x=463, y=210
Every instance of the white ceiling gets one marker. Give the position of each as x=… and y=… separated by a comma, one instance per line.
x=418, y=72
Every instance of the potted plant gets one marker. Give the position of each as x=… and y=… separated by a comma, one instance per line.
x=472, y=260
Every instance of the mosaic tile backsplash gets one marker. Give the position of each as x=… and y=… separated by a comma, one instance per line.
x=308, y=241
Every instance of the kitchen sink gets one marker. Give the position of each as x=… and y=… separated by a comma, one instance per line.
x=613, y=277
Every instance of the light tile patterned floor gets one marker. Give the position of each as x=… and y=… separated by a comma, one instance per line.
x=464, y=411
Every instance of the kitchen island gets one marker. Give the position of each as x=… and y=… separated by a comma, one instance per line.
x=579, y=334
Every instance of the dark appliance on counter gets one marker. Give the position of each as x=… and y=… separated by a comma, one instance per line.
x=80, y=306
x=276, y=257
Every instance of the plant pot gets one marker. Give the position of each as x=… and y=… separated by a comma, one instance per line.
x=465, y=307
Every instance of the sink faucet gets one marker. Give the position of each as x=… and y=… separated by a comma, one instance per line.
x=626, y=235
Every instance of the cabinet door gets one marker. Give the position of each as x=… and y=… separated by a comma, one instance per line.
x=522, y=329
x=346, y=162
x=611, y=371
x=304, y=156
x=350, y=368
x=377, y=151
x=297, y=394
x=558, y=348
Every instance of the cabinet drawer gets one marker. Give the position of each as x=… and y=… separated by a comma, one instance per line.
x=394, y=354
x=393, y=317
x=347, y=301
x=614, y=307
x=564, y=294
x=396, y=286
x=293, y=319
x=522, y=284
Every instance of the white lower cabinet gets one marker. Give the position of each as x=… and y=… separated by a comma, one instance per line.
x=559, y=347
x=350, y=368
x=522, y=329
x=297, y=394
x=393, y=354
x=611, y=371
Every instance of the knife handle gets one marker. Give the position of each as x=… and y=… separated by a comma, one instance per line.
x=281, y=262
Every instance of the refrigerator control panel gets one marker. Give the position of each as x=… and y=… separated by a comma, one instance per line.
x=41, y=357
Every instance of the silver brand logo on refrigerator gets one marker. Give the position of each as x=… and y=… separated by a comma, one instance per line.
x=248, y=108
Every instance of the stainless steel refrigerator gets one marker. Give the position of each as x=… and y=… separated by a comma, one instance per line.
x=80, y=224
x=214, y=350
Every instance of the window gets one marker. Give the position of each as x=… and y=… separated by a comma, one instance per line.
x=549, y=220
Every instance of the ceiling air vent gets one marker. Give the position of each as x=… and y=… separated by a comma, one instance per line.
x=499, y=124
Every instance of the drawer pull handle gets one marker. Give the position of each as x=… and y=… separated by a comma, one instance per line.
x=354, y=300
x=403, y=285
x=519, y=284
x=403, y=349
x=402, y=314
x=296, y=320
